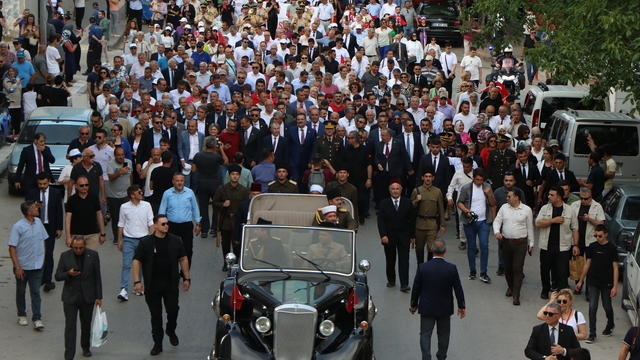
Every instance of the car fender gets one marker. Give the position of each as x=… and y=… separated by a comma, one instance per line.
x=233, y=346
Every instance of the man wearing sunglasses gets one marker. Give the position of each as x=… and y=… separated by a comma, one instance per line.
x=84, y=215
x=551, y=340
x=590, y=214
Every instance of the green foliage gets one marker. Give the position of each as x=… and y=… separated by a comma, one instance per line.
x=587, y=38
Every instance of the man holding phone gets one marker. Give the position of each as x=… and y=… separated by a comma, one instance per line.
x=120, y=178
x=513, y=226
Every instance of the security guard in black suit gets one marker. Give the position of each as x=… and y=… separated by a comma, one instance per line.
x=330, y=145
x=282, y=184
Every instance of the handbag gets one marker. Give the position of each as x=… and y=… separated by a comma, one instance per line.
x=575, y=267
x=99, y=328
x=33, y=41
x=450, y=72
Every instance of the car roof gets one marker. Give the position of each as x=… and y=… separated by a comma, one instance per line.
x=553, y=89
x=61, y=113
x=590, y=115
x=629, y=190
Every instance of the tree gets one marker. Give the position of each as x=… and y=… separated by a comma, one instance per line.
x=582, y=40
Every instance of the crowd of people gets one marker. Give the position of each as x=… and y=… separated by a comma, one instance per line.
x=215, y=104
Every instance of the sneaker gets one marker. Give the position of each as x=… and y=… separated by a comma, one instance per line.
x=472, y=275
x=485, y=278
x=123, y=295
x=591, y=339
x=38, y=325
x=22, y=321
x=462, y=246
x=500, y=271
x=607, y=331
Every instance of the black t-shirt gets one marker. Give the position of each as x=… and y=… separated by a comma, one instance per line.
x=582, y=225
x=58, y=96
x=208, y=165
x=602, y=259
x=45, y=95
x=93, y=175
x=161, y=259
x=633, y=333
x=162, y=178
x=357, y=161
x=84, y=221
x=554, y=233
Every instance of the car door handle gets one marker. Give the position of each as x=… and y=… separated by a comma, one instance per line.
x=631, y=264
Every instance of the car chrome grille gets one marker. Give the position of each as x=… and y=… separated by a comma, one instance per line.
x=294, y=332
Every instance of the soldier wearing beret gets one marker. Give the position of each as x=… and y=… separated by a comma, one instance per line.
x=429, y=207
x=500, y=159
x=329, y=145
x=344, y=219
x=282, y=184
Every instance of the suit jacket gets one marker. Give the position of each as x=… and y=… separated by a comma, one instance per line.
x=443, y=173
x=433, y=287
x=145, y=146
x=55, y=212
x=155, y=56
x=250, y=149
x=320, y=127
x=539, y=343
x=264, y=129
x=89, y=282
x=300, y=154
x=400, y=53
x=552, y=179
x=398, y=160
x=422, y=80
x=534, y=175
x=184, y=147
x=222, y=121
x=353, y=45
x=178, y=76
x=363, y=110
x=281, y=152
x=212, y=117
x=173, y=138
x=27, y=163
x=398, y=225
x=314, y=53
x=417, y=148
x=374, y=136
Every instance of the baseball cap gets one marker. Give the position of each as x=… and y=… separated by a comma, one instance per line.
x=183, y=20
x=74, y=152
x=20, y=54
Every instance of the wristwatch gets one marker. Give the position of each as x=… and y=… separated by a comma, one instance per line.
x=137, y=282
x=103, y=234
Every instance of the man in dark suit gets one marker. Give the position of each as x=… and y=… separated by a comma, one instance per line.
x=432, y=297
x=218, y=115
x=52, y=216
x=351, y=43
x=410, y=141
x=250, y=141
x=169, y=126
x=148, y=141
x=417, y=78
x=158, y=55
x=370, y=103
x=439, y=163
x=559, y=172
x=551, y=340
x=527, y=176
x=374, y=135
x=172, y=74
x=396, y=226
x=277, y=142
x=301, y=141
x=79, y=268
x=392, y=162
x=34, y=159
x=399, y=51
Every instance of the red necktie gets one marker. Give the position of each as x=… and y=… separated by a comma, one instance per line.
x=275, y=139
x=386, y=150
x=315, y=127
x=301, y=136
x=39, y=162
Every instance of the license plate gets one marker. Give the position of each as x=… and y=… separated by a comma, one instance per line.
x=439, y=24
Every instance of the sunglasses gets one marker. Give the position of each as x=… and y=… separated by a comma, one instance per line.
x=549, y=313
x=585, y=198
x=139, y=192
x=157, y=122
x=137, y=111
x=114, y=130
x=83, y=185
x=164, y=224
x=84, y=133
x=598, y=236
x=492, y=141
x=562, y=301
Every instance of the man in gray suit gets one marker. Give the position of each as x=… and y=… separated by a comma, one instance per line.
x=79, y=268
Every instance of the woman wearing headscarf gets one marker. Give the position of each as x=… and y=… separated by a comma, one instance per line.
x=482, y=123
x=12, y=86
x=69, y=55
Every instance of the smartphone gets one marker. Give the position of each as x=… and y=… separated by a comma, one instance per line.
x=530, y=253
x=76, y=270
x=586, y=132
x=125, y=165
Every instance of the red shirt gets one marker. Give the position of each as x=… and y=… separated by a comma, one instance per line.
x=335, y=108
x=234, y=139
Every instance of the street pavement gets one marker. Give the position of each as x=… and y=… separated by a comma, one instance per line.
x=492, y=328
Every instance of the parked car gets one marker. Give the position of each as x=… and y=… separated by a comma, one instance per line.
x=60, y=125
x=572, y=127
x=284, y=300
x=443, y=20
x=631, y=279
x=622, y=212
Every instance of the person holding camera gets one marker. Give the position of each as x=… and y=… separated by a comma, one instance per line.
x=477, y=204
x=120, y=178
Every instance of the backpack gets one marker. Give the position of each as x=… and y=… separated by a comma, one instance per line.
x=317, y=178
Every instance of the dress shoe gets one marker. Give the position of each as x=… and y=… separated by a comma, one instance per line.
x=204, y=235
x=49, y=286
x=500, y=271
x=509, y=293
x=212, y=232
x=405, y=289
x=516, y=300
x=362, y=221
x=577, y=292
x=86, y=352
x=390, y=284
x=544, y=295
x=157, y=349
x=173, y=339
x=462, y=246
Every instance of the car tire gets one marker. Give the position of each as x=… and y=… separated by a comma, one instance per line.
x=12, y=189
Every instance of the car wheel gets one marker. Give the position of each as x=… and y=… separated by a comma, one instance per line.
x=12, y=189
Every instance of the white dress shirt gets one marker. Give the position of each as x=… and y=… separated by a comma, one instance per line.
x=515, y=223
x=135, y=220
x=194, y=146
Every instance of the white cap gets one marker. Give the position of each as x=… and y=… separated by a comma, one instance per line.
x=215, y=28
x=329, y=209
x=186, y=170
x=358, y=26
x=183, y=20
x=283, y=41
x=133, y=45
x=168, y=28
x=201, y=24
x=332, y=25
x=201, y=29
x=187, y=26
x=317, y=188
x=74, y=152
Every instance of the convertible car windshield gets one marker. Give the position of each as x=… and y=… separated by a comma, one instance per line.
x=297, y=248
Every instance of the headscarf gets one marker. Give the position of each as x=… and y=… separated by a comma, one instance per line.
x=66, y=36
x=7, y=76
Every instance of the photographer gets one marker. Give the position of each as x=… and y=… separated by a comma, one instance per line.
x=120, y=178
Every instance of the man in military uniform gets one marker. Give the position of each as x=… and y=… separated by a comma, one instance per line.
x=428, y=202
x=282, y=184
x=328, y=253
x=300, y=19
x=263, y=246
x=500, y=159
x=227, y=198
x=330, y=145
x=344, y=218
x=347, y=190
x=446, y=142
x=261, y=13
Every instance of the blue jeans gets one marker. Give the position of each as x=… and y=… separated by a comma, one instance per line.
x=129, y=247
x=532, y=69
x=408, y=30
x=480, y=229
x=383, y=51
x=34, y=279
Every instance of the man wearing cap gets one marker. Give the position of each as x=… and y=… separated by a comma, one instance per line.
x=500, y=159
x=282, y=184
x=343, y=216
x=265, y=172
x=26, y=72
x=263, y=246
x=96, y=40
x=429, y=206
x=200, y=55
x=227, y=198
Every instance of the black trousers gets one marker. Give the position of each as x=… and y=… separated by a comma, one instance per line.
x=206, y=190
x=383, y=185
x=135, y=14
x=514, y=254
x=16, y=119
x=226, y=237
x=49, y=244
x=71, y=312
x=94, y=53
x=402, y=249
x=362, y=199
x=554, y=260
x=162, y=291
x=114, y=210
x=185, y=232
x=80, y=15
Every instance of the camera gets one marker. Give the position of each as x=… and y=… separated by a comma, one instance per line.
x=473, y=217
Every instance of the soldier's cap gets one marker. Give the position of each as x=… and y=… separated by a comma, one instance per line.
x=341, y=166
x=330, y=124
x=300, y=10
x=329, y=209
x=328, y=224
x=262, y=221
x=255, y=186
x=282, y=165
x=317, y=188
x=245, y=6
x=394, y=181
x=428, y=170
x=503, y=138
x=253, y=5
x=247, y=17
x=553, y=142
x=235, y=168
x=445, y=136
x=333, y=193
x=203, y=5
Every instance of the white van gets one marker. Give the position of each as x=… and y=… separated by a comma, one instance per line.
x=543, y=100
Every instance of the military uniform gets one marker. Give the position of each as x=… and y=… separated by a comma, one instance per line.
x=430, y=216
x=348, y=191
x=298, y=21
x=333, y=256
x=236, y=194
x=499, y=162
x=269, y=249
x=345, y=220
x=288, y=187
x=330, y=149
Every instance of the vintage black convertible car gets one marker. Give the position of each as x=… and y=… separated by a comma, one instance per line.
x=296, y=294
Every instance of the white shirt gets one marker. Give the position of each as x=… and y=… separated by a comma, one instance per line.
x=147, y=190
x=472, y=64
x=468, y=120
x=418, y=114
x=103, y=156
x=240, y=52
x=52, y=55
x=409, y=143
x=325, y=11
x=388, y=9
x=447, y=61
x=65, y=174
x=130, y=59
x=346, y=123
x=386, y=146
x=176, y=95
x=456, y=162
x=45, y=201
x=194, y=145
x=360, y=68
x=135, y=220
x=460, y=178
x=515, y=223
x=496, y=121
x=253, y=77
x=202, y=127
x=478, y=202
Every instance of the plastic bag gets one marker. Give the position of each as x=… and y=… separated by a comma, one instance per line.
x=99, y=329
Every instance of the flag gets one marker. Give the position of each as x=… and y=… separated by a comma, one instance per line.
x=353, y=301
x=236, y=298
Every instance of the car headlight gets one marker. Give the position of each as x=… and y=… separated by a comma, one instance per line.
x=327, y=328
x=215, y=304
x=263, y=324
x=13, y=169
